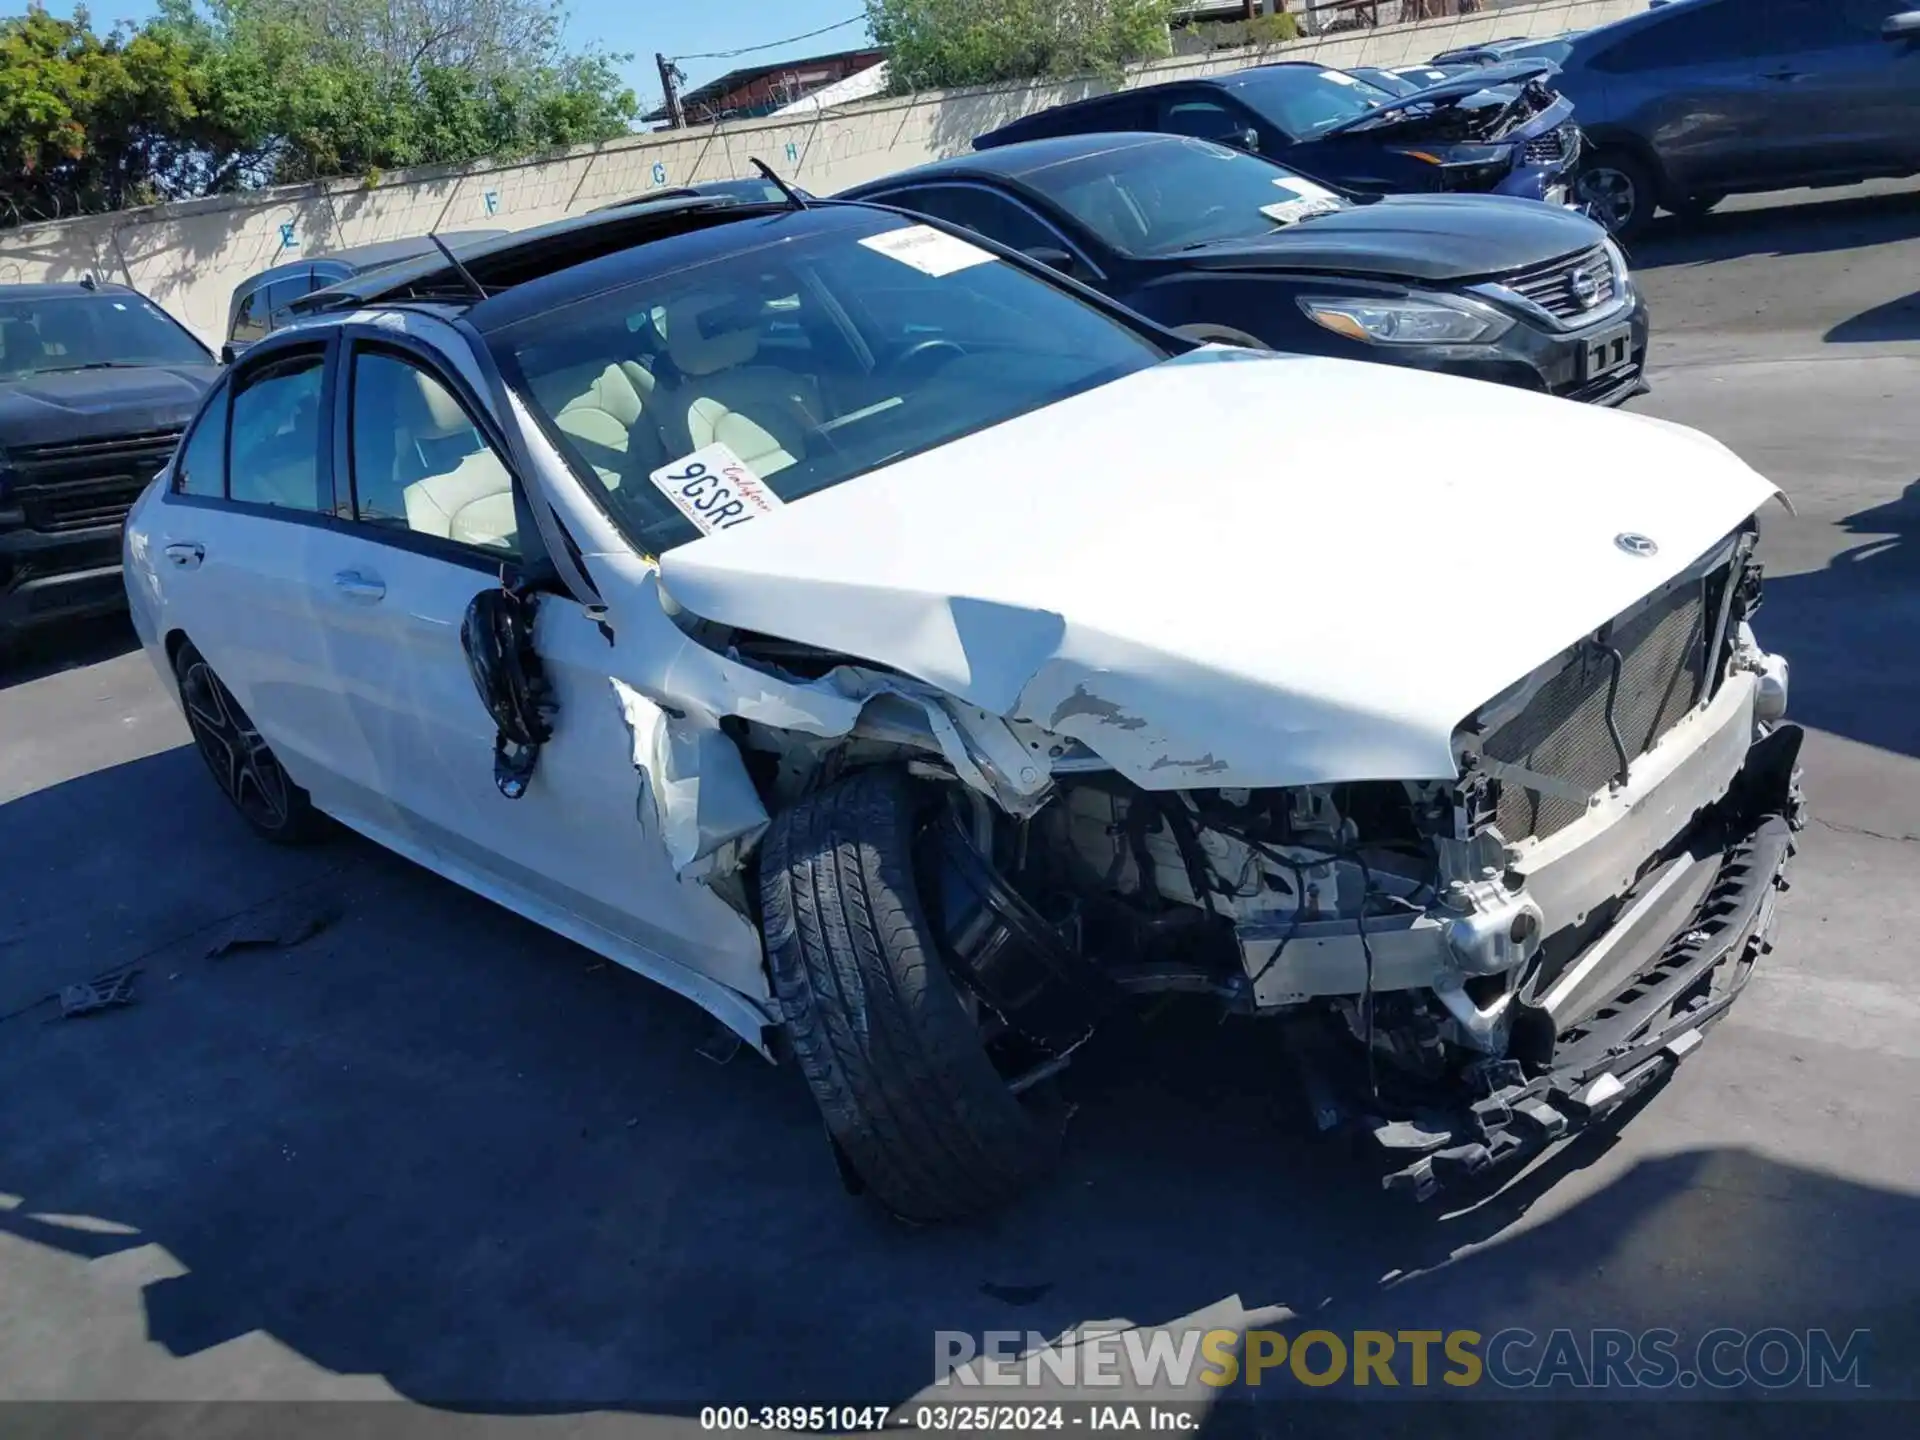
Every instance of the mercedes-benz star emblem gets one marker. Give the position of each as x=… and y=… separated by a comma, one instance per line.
x=1585, y=288
x=1636, y=544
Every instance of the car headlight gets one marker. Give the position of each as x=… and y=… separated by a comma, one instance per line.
x=1406, y=321
x=1467, y=167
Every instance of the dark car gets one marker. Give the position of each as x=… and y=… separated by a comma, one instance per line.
x=1459, y=135
x=96, y=383
x=1221, y=245
x=748, y=192
x=1700, y=99
x=260, y=302
x=1402, y=79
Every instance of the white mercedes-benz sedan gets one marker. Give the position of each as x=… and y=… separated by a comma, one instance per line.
x=912, y=658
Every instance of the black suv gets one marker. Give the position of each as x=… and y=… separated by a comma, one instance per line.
x=96, y=383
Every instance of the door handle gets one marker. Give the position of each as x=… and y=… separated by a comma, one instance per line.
x=1783, y=74
x=365, y=588
x=186, y=554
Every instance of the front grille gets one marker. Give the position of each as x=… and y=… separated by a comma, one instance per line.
x=1559, y=143
x=81, y=484
x=1568, y=289
x=1563, y=731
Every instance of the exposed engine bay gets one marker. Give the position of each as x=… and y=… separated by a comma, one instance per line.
x=1442, y=941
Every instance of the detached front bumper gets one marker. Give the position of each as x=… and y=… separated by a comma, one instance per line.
x=1565, y=1078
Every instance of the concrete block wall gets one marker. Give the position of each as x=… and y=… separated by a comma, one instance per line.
x=189, y=256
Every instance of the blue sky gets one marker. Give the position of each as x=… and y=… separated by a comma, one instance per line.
x=672, y=27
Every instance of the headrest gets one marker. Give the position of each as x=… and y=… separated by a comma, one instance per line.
x=706, y=333
x=444, y=412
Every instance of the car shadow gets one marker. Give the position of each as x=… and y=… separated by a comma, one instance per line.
x=1811, y=227
x=1848, y=630
x=44, y=650
x=436, y=1145
x=1895, y=320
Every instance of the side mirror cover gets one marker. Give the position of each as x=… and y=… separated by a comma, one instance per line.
x=1051, y=256
x=228, y=354
x=497, y=636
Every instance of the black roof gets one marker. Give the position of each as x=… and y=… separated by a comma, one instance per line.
x=380, y=252
x=1018, y=158
x=532, y=270
x=58, y=289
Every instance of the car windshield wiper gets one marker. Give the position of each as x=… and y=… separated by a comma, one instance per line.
x=91, y=365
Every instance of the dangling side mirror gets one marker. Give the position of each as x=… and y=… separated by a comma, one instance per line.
x=497, y=635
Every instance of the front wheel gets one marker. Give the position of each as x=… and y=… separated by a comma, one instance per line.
x=894, y=1059
x=1617, y=188
x=243, y=766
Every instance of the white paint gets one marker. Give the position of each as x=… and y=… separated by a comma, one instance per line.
x=933, y=252
x=1131, y=567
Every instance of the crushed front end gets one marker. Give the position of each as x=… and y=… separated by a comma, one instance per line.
x=1466, y=970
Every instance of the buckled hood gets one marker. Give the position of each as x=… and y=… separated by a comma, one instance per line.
x=1197, y=572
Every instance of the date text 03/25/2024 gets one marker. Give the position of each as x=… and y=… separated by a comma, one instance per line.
x=961, y=1418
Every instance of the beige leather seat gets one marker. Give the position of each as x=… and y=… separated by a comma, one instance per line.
x=602, y=408
x=760, y=412
x=472, y=502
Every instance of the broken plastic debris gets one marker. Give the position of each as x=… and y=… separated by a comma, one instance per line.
x=275, y=927
x=106, y=992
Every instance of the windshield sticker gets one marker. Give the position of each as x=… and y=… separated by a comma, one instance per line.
x=930, y=251
x=1338, y=77
x=715, y=489
x=1305, y=189
x=1286, y=212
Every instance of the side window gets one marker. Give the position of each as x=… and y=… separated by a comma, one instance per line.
x=283, y=293
x=981, y=211
x=1718, y=31
x=420, y=464
x=202, y=467
x=1202, y=119
x=250, y=320
x=273, y=457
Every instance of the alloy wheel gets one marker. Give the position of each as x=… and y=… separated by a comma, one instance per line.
x=241, y=763
x=1610, y=195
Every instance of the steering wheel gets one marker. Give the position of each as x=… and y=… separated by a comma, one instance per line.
x=933, y=346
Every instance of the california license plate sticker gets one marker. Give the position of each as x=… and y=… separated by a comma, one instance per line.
x=930, y=251
x=715, y=489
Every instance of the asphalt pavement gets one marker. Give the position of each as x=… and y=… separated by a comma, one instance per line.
x=435, y=1153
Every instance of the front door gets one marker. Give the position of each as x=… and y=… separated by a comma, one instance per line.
x=1845, y=100
x=433, y=518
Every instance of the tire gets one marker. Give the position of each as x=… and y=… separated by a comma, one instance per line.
x=1692, y=207
x=1621, y=188
x=240, y=762
x=1219, y=335
x=895, y=1062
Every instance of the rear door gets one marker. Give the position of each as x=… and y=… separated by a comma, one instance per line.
x=239, y=536
x=1847, y=99
x=1693, y=86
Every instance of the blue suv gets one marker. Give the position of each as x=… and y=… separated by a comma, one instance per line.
x=1699, y=99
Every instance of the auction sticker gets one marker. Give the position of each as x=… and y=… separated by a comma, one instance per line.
x=930, y=251
x=715, y=489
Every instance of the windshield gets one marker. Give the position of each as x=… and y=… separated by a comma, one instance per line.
x=1304, y=101
x=700, y=399
x=52, y=333
x=1157, y=198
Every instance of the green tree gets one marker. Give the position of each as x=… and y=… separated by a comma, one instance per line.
x=91, y=122
x=341, y=87
x=935, y=44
